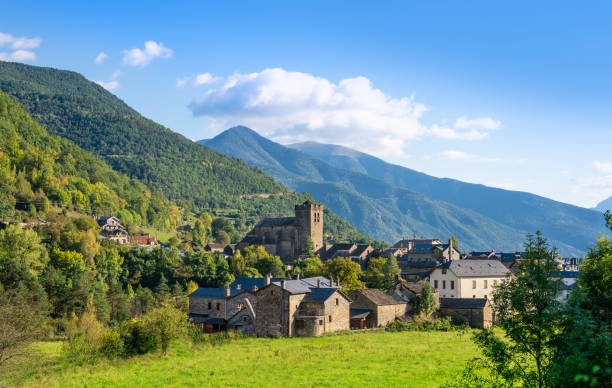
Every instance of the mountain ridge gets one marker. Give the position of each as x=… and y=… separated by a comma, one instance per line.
x=380, y=209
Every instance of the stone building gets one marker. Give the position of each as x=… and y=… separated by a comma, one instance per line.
x=417, y=258
x=408, y=292
x=477, y=312
x=371, y=308
x=287, y=236
x=232, y=307
x=112, y=229
x=301, y=307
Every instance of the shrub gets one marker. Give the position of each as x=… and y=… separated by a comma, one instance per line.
x=112, y=345
x=136, y=338
x=166, y=323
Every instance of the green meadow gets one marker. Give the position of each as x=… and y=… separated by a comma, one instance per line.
x=371, y=359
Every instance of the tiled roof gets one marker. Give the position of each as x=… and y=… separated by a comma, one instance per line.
x=284, y=221
x=376, y=296
x=476, y=268
x=462, y=303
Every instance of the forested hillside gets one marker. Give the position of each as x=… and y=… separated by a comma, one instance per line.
x=380, y=209
x=39, y=171
x=197, y=178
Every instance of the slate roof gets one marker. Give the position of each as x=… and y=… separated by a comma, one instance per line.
x=246, y=284
x=376, y=296
x=303, y=286
x=319, y=294
x=210, y=293
x=476, y=268
x=569, y=274
x=359, y=313
x=360, y=249
x=283, y=221
x=463, y=303
x=484, y=253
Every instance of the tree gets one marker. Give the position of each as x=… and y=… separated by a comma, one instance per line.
x=427, y=302
x=21, y=323
x=310, y=266
x=527, y=310
x=167, y=324
x=23, y=246
x=270, y=265
x=382, y=272
x=309, y=247
x=222, y=224
x=455, y=242
x=222, y=238
x=346, y=271
x=238, y=264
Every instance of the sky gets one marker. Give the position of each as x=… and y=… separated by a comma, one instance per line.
x=515, y=95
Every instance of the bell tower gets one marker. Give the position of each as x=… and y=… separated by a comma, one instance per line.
x=309, y=217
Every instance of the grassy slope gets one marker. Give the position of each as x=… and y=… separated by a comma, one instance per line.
x=415, y=359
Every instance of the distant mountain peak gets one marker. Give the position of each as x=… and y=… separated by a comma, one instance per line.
x=604, y=205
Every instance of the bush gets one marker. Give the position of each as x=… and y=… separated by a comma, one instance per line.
x=112, y=345
x=136, y=338
x=166, y=323
x=424, y=324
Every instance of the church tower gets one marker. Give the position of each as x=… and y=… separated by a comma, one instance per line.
x=309, y=217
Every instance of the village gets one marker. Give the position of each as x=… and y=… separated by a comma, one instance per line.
x=462, y=283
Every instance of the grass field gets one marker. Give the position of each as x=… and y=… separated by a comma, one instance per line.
x=367, y=359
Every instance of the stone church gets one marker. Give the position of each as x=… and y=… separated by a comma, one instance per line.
x=287, y=236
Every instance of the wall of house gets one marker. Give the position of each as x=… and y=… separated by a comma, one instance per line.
x=385, y=314
x=200, y=306
x=484, y=287
x=242, y=321
x=338, y=307
x=269, y=312
x=479, y=318
x=291, y=308
x=234, y=303
x=444, y=283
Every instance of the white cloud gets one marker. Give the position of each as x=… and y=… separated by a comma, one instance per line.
x=100, y=58
x=141, y=58
x=464, y=156
x=603, y=167
x=21, y=47
x=204, y=78
x=18, y=56
x=110, y=85
x=15, y=43
x=293, y=106
x=182, y=82
x=480, y=123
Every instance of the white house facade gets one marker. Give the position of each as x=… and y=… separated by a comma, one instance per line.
x=468, y=278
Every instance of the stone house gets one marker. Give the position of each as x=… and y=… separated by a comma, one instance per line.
x=383, y=308
x=477, y=312
x=408, y=292
x=301, y=307
x=468, y=278
x=286, y=237
x=419, y=257
x=112, y=229
x=232, y=307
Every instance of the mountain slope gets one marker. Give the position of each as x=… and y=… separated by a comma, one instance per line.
x=604, y=205
x=573, y=225
x=38, y=170
x=74, y=108
x=380, y=209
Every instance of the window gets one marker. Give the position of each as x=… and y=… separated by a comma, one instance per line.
x=330, y=318
x=473, y=284
x=452, y=284
x=209, y=305
x=444, y=272
x=218, y=306
x=436, y=283
x=486, y=284
x=337, y=302
x=473, y=296
x=485, y=296
x=320, y=321
x=444, y=284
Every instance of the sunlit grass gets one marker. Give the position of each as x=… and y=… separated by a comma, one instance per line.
x=408, y=359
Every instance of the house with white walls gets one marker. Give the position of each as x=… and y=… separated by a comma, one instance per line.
x=468, y=278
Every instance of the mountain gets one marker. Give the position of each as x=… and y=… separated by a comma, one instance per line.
x=604, y=205
x=39, y=171
x=380, y=209
x=570, y=224
x=197, y=177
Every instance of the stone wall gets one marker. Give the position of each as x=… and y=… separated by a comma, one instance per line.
x=338, y=307
x=200, y=306
x=237, y=302
x=269, y=312
x=479, y=318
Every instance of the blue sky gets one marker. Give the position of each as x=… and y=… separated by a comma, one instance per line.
x=516, y=96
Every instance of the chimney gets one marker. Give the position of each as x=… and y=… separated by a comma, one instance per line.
x=255, y=288
x=227, y=291
x=318, y=283
x=238, y=286
x=283, y=284
x=298, y=276
x=267, y=281
x=338, y=282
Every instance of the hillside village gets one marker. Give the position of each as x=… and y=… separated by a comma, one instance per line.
x=462, y=283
